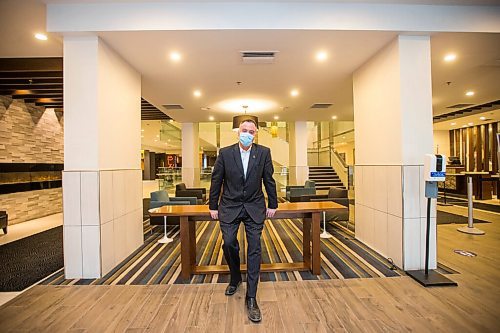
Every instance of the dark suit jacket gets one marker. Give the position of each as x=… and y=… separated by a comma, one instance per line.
x=238, y=192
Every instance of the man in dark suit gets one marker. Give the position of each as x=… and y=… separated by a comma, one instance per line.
x=240, y=171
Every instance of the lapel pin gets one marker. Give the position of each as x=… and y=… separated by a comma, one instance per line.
x=253, y=156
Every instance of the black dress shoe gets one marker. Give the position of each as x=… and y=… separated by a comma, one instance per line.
x=253, y=309
x=231, y=290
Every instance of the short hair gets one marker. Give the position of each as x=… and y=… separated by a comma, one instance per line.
x=249, y=121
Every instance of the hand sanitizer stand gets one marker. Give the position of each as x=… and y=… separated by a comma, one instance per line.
x=434, y=171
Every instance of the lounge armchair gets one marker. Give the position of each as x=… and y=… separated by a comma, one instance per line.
x=335, y=194
x=160, y=199
x=199, y=192
x=4, y=221
x=294, y=192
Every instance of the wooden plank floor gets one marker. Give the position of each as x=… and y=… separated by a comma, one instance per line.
x=355, y=305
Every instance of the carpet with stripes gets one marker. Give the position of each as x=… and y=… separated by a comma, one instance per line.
x=342, y=256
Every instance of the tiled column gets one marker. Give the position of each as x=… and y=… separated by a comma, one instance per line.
x=299, y=170
x=190, y=155
x=102, y=188
x=393, y=123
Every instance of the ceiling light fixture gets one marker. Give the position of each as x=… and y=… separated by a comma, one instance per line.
x=197, y=93
x=469, y=93
x=276, y=117
x=464, y=125
x=450, y=57
x=482, y=118
x=175, y=56
x=237, y=120
x=334, y=117
x=453, y=124
x=40, y=36
x=470, y=124
x=321, y=56
x=211, y=118
x=294, y=92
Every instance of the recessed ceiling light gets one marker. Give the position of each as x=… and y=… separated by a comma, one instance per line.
x=343, y=137
x=464, y=125
x=142, y=130
x=470, y=124
x=142, y=136
x=211, y=118
x=469, y=93
x=450, y=57
x=453, y=124
x=175, y=56
x=276, y=117
x=294, y=92
x=482, y=118
x=334, y=117
x=41, y=36
x=197, y=93
x=156, y=140
x=321, y=56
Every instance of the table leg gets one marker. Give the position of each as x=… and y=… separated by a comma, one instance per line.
x=185, y=248
x=192, y=241
x=306, y=241
x=316, y=244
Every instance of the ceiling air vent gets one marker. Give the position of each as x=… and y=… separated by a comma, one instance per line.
x=173, y=106
x=459, y=106
x=321, y=105
x=258, y=57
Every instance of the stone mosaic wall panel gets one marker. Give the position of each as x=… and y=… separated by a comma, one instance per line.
x=25, y=206
x=30, y=134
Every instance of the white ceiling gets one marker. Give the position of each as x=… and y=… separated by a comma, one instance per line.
x=211, y=63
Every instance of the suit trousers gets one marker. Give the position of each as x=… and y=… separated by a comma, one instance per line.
x=231, y=250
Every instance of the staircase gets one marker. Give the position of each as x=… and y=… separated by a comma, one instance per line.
x=325, y=177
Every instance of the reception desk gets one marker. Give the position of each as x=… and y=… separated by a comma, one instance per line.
x=310, y=212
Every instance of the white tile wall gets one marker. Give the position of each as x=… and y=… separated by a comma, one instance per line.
x=380, y=232
x=380, y=189
x=90, y=198
x=72, y=244
x=395, y=239
x=134, y=234
x=368, y=185
x=91, y=251
x=71, y=198
x=106, y=195
x=120, y=238
x=411, y=244
x=411, y=191
x=394, y=191
x=119, y=194
x=107, y=247
x=358, y=183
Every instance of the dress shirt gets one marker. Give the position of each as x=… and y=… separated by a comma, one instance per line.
x=245, y=157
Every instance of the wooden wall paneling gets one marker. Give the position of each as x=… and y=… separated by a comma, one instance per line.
x=494, y=147
x=464, y=148
x=470, y=150
x=451, y=135
x=479, y=147
x=487, y=146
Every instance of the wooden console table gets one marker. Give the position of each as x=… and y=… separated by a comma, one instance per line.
x=310, y=212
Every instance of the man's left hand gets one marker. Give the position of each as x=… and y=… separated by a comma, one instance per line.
x=270, y=212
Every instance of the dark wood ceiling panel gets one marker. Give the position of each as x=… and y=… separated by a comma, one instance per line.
x=40, y=81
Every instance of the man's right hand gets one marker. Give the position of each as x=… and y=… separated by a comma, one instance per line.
x=214, y=214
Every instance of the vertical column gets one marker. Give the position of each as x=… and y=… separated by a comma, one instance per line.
x=299, y=170
x=190, y=155
x=393, y=122
x=102, y=189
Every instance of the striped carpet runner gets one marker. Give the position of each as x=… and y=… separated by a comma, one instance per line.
x=342, y=256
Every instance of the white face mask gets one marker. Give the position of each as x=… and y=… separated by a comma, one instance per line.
x=246, y=139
